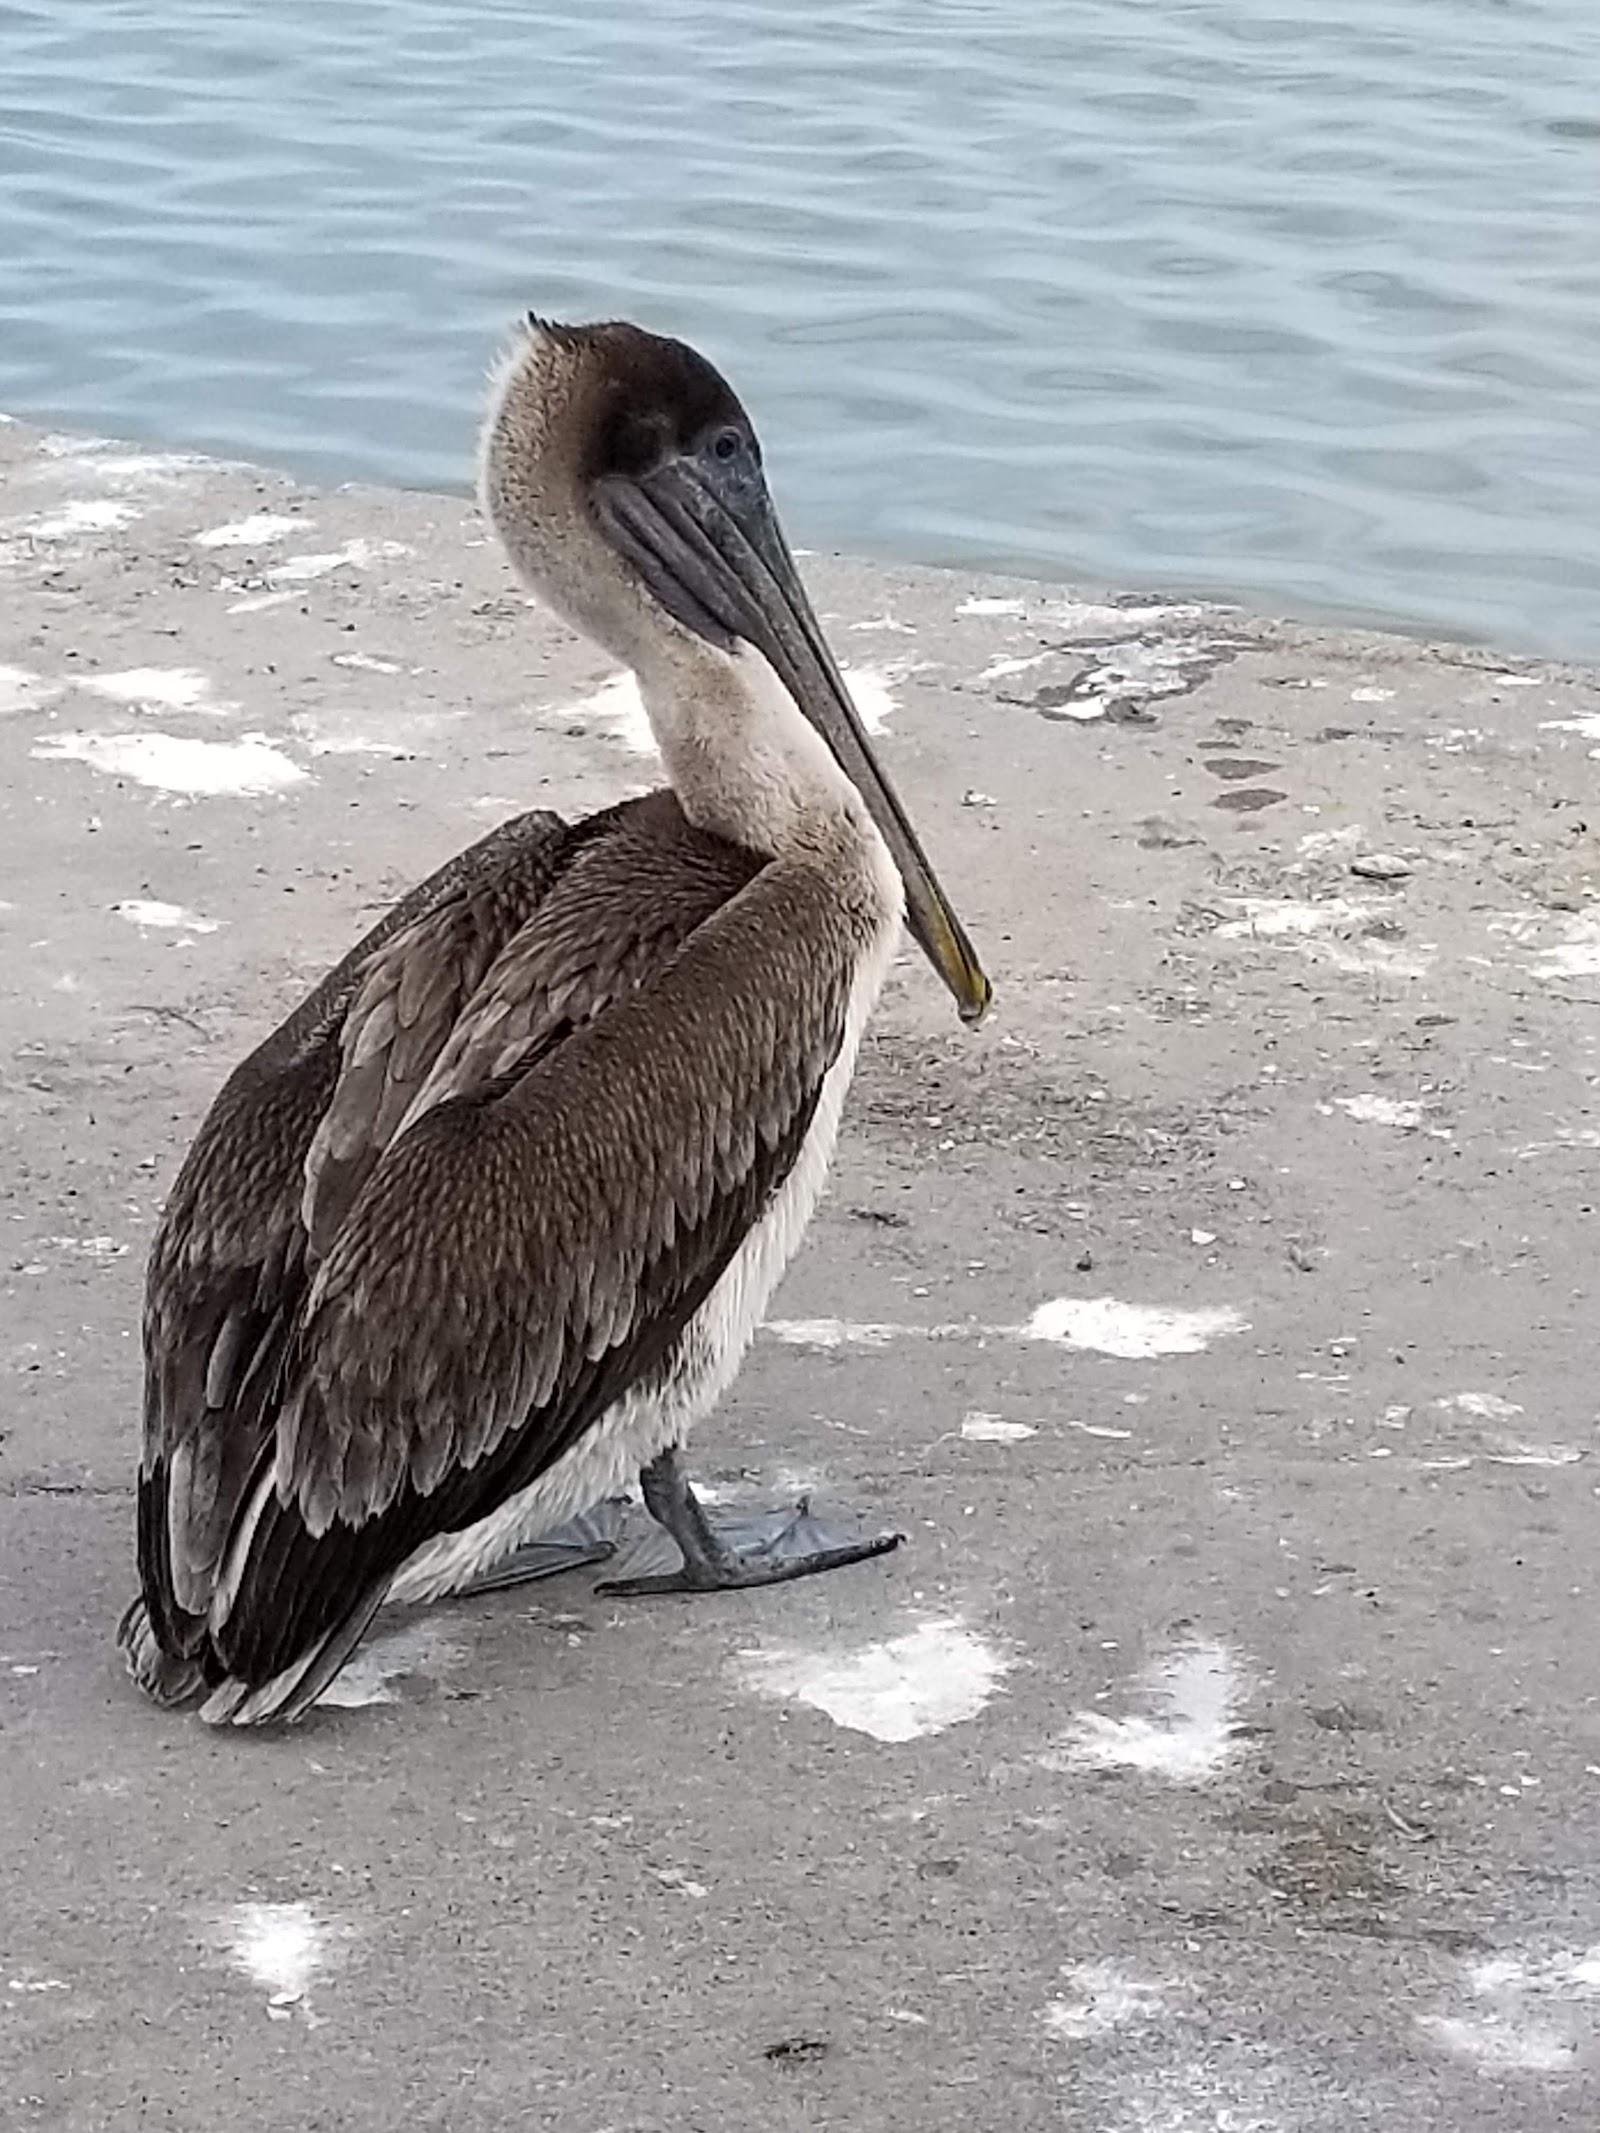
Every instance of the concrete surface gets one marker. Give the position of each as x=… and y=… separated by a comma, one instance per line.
x=1223, y=1750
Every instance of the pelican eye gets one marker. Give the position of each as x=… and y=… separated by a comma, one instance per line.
x=726, y=445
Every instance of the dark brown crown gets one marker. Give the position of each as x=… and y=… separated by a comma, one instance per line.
x=649, y=396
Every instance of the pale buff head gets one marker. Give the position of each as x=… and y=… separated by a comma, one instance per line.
x=568, y=406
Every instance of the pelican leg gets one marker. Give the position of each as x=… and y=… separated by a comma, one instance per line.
x=580, y=1542
x=752, y=1548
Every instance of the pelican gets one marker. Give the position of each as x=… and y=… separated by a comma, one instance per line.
x=486, y=1226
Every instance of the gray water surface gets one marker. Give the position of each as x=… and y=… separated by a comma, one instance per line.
x=1296, y=302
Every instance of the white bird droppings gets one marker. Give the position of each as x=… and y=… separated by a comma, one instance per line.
x=1374, y=1110
x=998, y=669
x=1094, y=618
x=987, y=604
x=258, y=603
x=148, y=911
x=378, y=1664
x=1382, y=866
x=1135, y=1331
x=170, y=763
x=258, y=530
x=354, y=555
x=993, y=1429
x=936, y=1675
x=22, y=690
x=366, y=663
x=1190, y=1733
x=156, y=688
x=1578, y=955
x=99, y=514
x=91, y=1248
x=1501, y=2047
x=1524, y=2013
x=280, y=1947
x=1511, y=1452
x=872, y=694
x=1104, y=1997
x=1132, y=672
x=322, y=739
x=847, y=1333
x=1318, y=844
x=1500, y=1450
x=1487, y=1406
x=1347, y=933
x=677, y=1877
x=1273, y=918
x=1566, y=1137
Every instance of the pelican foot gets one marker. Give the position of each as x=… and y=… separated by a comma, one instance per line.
x=574, y=1546
x=742, y=1548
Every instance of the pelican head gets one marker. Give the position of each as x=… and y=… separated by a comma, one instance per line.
x=624, y=479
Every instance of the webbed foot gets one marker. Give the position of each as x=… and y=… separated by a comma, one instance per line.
x=580, y=1542
x=742, y=1548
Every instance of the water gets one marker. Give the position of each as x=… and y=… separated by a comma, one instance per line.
x=1300, y=303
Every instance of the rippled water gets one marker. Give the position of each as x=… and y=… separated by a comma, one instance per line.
x=1300, y=302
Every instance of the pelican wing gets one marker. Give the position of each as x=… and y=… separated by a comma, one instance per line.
x=413, y=989
x=525, y=1255
x=615, y=918
x=228, y=1269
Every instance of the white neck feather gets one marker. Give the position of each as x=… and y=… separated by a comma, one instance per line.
x=743, y=760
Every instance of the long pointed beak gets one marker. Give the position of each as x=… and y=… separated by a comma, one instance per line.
x=727, y=572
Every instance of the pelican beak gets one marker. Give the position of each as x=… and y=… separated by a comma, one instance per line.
x=711, y=550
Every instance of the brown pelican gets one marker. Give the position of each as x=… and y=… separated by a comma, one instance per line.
x=488, y=1223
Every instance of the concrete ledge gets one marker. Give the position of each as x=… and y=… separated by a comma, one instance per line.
x=1224, y=1750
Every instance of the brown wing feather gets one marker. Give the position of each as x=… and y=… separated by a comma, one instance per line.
x=412, y=990
x=227, y=1271
x=616, y=915
x=527, y=1253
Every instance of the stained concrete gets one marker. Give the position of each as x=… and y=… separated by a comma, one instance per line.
x=1242, y=1768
